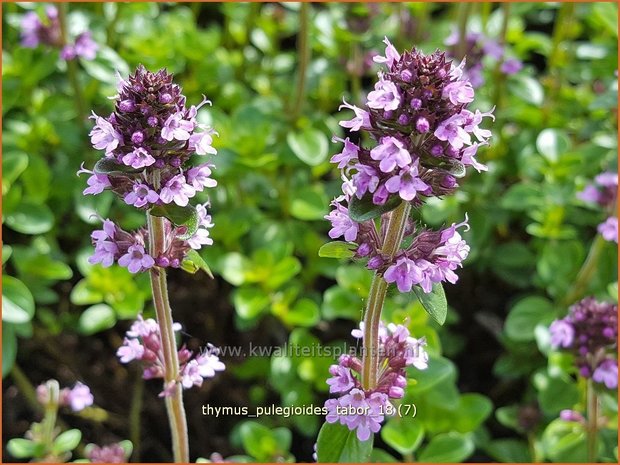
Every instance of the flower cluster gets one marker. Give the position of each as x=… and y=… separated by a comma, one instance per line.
x=424, y=137
x=149, y=141
x=113, y=453
x=590, y=332
x=47, y=31
x=364, y=410
x=143, y=342
x=477, y=47
x=603, y=193
x=77, y=398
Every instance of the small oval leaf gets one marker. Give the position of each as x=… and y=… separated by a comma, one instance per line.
x=337, y=249
x=337, y=444
x=180, y=216
x=364, y=209
x=434, y=302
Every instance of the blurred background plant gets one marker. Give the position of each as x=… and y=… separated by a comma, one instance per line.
x=494, y=389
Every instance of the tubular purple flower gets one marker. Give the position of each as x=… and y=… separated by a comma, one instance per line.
x=136, y=259
x=177, y=190
x=104, y=136
x=384, y=97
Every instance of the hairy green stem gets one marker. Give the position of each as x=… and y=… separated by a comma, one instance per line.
x=376, y=298
x=303, y=47
x=592, y=426
x=25, y=387
x=71, y=65
x=563, y=23
x=174, y=402
x=135, y=417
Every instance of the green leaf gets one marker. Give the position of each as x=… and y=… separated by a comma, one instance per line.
x=105, y=66
x=552, y=144
x=96, y=318
x=17, y=301
x=403, y=434
x=447, y=447
x=555, y=394
x=304, y=313
x=439, y=370
x=309, y=145
x=565, y=441
x=509, y=451
x=473, y=409
x=31, y=218
x=434, y=302
x=250, y=302
x=337, y=444
x=111, y=166
x=186, y=216
x=9, y=348
x=525, y=315
x=21, y=448
x=67, y=441
x=337, y=249
x=364, y=209
x=341, y=303
x=309, y=204
x=7, y=251
x=262, y=443
x=13, y=164
x=526, y=88
x=193, y=262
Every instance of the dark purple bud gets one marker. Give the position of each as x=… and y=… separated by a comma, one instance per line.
x=162, y=261
x=403, y=119
x=416, y=103
x=400, y=381
x=449, y=182
x=609, y=333
x=441, y=73
x=159, y=163
x=427, y=94
x=364, y=249
x=165, y=98
x=375, y=262
x=396, y=392
x=152, y=121
x=127, y=106
x=584, y=371
x=437, y=150
x=175, y=263
x=175, y=162
x=422, y=125
x=137, y=137
x=452, y=152
x=406, y=75
x=388, y=114
x=145, y=111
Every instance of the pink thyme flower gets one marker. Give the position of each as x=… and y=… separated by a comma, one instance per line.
x=177, y=190
x=79, y=397
x=136, y=259
x=104, y=136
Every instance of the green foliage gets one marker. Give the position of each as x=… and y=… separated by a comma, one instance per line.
x=337, y=444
